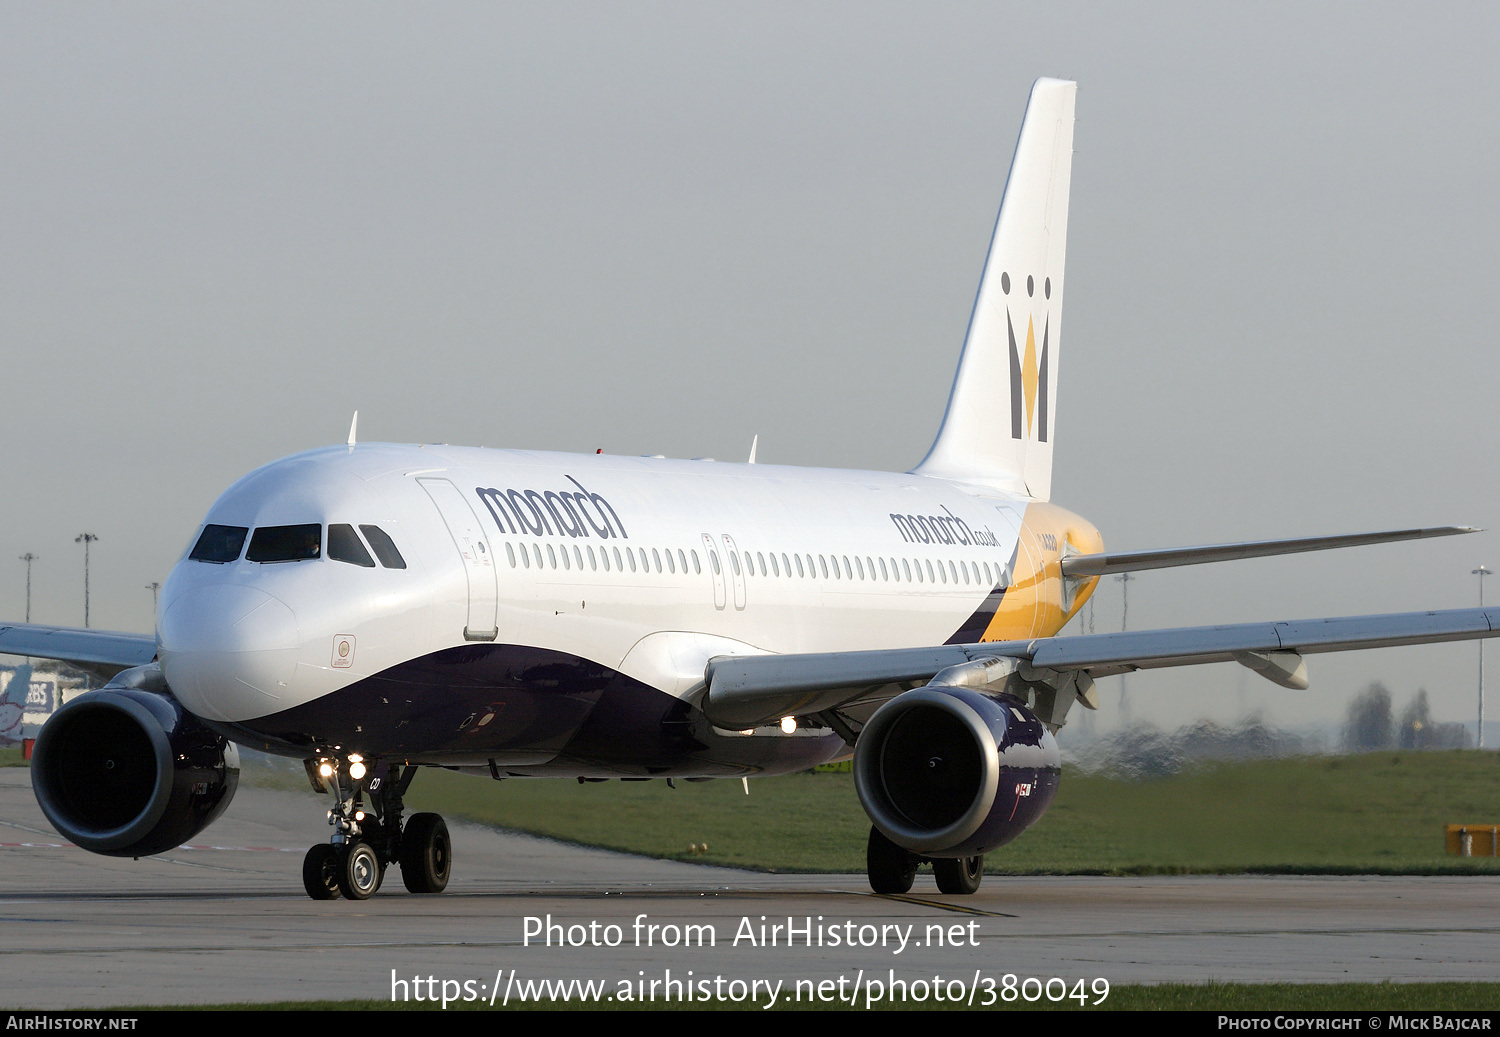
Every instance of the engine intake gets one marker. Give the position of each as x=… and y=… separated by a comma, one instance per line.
x=127, y=773
x=955, y=772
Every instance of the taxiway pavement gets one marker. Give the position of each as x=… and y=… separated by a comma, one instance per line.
x=227, y=921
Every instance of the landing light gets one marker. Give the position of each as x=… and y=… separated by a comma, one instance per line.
x=788, y=725
x=356, y=769
x=325, y=769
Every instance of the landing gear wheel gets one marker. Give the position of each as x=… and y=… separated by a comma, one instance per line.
x=358, y=871
x=426, y=854
x=891, y=868
x=320, y=872
x=958, y=874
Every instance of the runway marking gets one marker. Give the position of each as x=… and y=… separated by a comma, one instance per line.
x=962, y=909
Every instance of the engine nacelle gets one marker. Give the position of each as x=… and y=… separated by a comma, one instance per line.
x=127, y=772
x=955, y=772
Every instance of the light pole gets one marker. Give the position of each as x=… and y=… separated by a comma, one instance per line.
x=1481, y=572
x=28, y=558
x=153, y=587
x=1124, y=579
x=85, y=539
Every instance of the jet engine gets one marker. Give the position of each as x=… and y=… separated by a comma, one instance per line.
x=127, y=772
x=948, y=771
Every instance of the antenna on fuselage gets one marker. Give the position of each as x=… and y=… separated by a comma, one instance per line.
x=353, y=426
x=754, y=442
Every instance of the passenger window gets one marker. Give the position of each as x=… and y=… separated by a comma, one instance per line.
x=631, y=555
x=848, y=569
x=953, y=572
x=344, y=546
x=655, y=558
x=525, y=557
x=219, y=544
x=682, y=561
x=734, y=560
x=286, y=543
x=593, y=562
x=563, y=550
x=671, y=563
x=786, y=564
x=510, y=552
x=713, y=560
x=620, y=562
x=823, y=566
x=762, y=560
x=536, y=549
x=884, y=572
x=775, y=567
x=697, y=569
x=799, y=567
x=552, y=556
x=930, y=577
x=384, y=547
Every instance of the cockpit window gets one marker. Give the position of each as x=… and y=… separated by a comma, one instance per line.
x=344, y=546
x=219, y=544
x=384, y=547
x=286, y=543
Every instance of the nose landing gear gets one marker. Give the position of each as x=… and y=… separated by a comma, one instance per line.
x=352, y=864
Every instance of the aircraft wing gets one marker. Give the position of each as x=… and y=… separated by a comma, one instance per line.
x=102, y=652
x=1163, y=558
x=748, y=691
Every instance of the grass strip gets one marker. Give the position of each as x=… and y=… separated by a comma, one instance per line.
x=1377, y=813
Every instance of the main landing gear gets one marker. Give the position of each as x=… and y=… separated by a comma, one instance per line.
x=365, y=843
x=893, y=869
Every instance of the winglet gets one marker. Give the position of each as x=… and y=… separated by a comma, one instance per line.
x=353, y=426
x=755, y=442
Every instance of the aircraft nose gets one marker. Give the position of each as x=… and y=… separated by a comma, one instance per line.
x=228, y=652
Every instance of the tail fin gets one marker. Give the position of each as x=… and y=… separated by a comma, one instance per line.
x=999, y=425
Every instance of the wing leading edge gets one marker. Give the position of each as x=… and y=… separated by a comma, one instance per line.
x=1163, y=558
x=746, y=691
x=103, y=652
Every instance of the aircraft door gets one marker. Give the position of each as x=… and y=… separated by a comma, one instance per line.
x=737, y=571
x=715, y=569
x=477, y=554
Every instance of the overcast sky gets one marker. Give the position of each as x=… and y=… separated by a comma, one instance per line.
x=667, y=228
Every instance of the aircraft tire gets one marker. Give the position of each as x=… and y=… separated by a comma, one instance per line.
x=358, y=871
x=959, y=875
x=891, y=868
x=320, y=873
x=426, y=854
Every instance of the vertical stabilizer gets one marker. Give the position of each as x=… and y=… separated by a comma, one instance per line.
x=1000, y=422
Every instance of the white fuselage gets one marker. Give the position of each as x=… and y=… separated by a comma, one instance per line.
x=636, y=570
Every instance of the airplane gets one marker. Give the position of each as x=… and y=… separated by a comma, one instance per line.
x=374, y=608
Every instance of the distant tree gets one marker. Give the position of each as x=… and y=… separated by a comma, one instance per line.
x=1415, y=731
x=1419, y=731
x=1369, y=724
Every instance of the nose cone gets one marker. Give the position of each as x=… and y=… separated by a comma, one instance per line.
x=228, y=651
